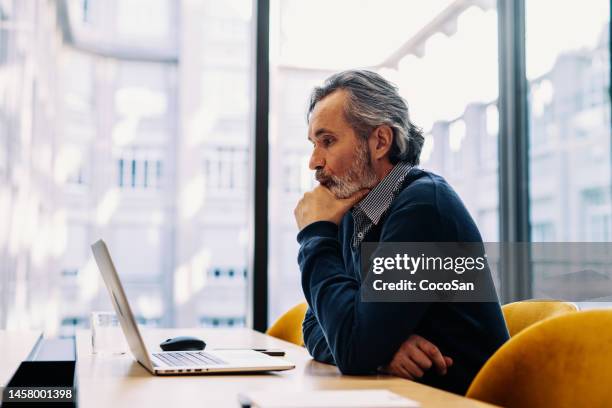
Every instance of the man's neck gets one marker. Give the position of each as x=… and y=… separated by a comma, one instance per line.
x=383, y=169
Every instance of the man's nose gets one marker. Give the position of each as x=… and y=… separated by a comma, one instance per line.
x=316, y=161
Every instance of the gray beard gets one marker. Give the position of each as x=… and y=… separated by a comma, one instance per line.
x=361, y=175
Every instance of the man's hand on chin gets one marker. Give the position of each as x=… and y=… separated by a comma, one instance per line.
x=320, y=204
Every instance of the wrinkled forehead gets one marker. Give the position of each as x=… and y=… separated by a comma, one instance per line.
x=334, y=101
x=328, y=114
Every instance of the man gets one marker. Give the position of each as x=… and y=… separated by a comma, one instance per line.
x=365, y=153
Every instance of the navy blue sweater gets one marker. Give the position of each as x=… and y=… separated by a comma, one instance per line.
x=361, y=336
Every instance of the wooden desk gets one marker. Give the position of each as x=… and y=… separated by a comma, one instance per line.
x=119, y=381
x=14, y=348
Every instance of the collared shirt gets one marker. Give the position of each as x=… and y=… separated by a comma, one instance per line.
x=371, y=209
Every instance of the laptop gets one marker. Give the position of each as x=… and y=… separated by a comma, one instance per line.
x=176, y=362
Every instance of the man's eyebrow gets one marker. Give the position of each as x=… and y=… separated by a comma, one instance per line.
x=321, y=132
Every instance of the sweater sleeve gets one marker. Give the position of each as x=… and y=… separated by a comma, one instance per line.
x=361, y=336
x=315, y=341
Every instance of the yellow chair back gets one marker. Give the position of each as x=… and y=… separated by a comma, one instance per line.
x=559, y=362
x=520, y=315
x=288, y=327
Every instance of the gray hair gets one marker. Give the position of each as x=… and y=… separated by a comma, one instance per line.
x=373, y=101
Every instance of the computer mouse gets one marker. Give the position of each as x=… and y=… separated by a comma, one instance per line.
x=182, y=343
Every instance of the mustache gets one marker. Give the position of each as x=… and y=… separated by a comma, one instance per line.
x=323, y=177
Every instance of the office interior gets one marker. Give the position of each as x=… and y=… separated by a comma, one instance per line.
x=176, y=131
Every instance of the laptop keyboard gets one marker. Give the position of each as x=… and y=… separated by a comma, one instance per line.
x=191, y=359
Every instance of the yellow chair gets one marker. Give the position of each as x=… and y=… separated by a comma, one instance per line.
x=563, y=361
x=520, y=315
x=288, y=327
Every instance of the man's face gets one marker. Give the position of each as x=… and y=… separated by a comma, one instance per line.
x=340, y=157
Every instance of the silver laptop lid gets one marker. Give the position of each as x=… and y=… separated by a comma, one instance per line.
x=121, y=305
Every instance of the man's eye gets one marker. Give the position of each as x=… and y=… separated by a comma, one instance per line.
x=327, y=142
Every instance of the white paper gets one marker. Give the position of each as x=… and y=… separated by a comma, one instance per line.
x=326, y=399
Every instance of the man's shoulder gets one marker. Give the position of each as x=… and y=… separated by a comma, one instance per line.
x=423, y=188
x=429, y=193
x=429, y=197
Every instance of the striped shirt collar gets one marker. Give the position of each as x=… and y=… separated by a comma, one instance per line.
x=378, y=201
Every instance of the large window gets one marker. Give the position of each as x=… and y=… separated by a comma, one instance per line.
x=569, y=133
x=131, y=120
x=443, y=57
x=135, y=128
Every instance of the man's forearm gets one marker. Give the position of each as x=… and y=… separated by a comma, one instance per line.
x=314, y=339
x=361, y=336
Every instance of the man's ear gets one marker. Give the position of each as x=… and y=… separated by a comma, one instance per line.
x=380, y=142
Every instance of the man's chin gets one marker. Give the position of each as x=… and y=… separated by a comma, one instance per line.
x=343, y=193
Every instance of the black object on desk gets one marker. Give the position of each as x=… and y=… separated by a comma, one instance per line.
x=42, y=383
x=47, y=378
x=270, y=352
x=183, y=343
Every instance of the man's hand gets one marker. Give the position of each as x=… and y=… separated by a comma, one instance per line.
x=415, y=356
x=320, y=204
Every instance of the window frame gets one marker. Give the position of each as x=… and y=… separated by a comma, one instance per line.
x=513, y=145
